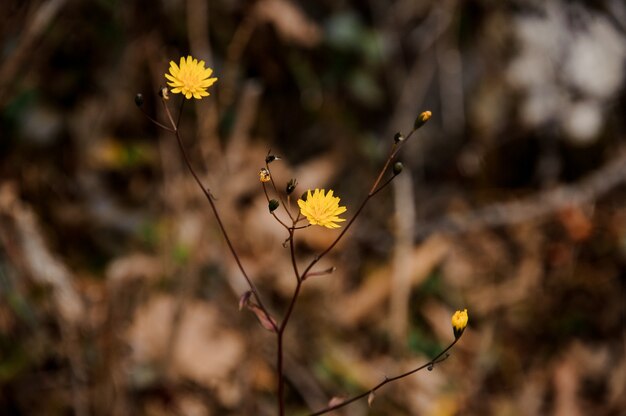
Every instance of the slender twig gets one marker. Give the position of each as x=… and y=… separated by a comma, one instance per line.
x=180, y=113
x=272, y=212
x=283, y=325
x=384, y=185
x=207, y=193
x=156, y=123
x=321, y=272
x=292, y=250
x=438, y=358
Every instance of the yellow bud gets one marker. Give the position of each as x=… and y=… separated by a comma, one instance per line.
x=459, y=322
x=422, y=119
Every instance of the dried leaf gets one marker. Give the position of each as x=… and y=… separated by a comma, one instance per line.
x=33, y=252
x=576, y=222
x=203, y=349
x=324, y=272
x=136, y=266
x=290, y=22
x=265, y=320
x=336, y=400
x=375, y=290
x=244, y=300
x=370, y=398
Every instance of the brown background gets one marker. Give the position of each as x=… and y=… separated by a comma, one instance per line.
x=118, y=294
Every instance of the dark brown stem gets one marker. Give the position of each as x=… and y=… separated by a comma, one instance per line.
x=384, y=185
x=156, y=123
x=385, y=381
x=283, y=325
x=180, y=113
x=209, y=198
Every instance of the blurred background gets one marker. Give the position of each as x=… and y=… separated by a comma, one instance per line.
x=118, y=295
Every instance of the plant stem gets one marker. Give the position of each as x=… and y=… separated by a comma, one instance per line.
x=207, y=193
x=283, y=325
x=301, y=277
x=385, y=381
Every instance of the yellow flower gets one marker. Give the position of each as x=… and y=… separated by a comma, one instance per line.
x=321, y=209
x=459, y=322
x=191, y=78
x=264, y=175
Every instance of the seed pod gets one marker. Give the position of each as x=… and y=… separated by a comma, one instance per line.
x=139, y=100
x=273, y=204
x=291, y=186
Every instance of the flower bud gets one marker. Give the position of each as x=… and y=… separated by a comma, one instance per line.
x=459, y=322
x=291, y=186
x=139, y=100
x=273, y=204
x=264, y=175
x=398, y=137
x=422, y=119
x=164, y=93
x=271, y=158
x=397, y=168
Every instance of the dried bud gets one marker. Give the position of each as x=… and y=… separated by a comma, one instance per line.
x=397, y=168
x=291, y=186
x=244, y=300
x=264, y=175
x=398, y=137
x=370, y=398
x=139, y=100
x=273, y=204
x=265, y=320
x=422, y=119
x=271, y=158
x=164, y=93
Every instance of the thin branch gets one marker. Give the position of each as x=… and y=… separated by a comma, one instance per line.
x=384, y=185
x=209, y=198
x=283, y=325
x=155, y=122
x=267, y=197
x=438, y=358
x=180, y=113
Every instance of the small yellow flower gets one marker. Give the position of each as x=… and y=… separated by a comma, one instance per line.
x=459, y=322
x=322, y=209
x=264, y=175
x=191, y=78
